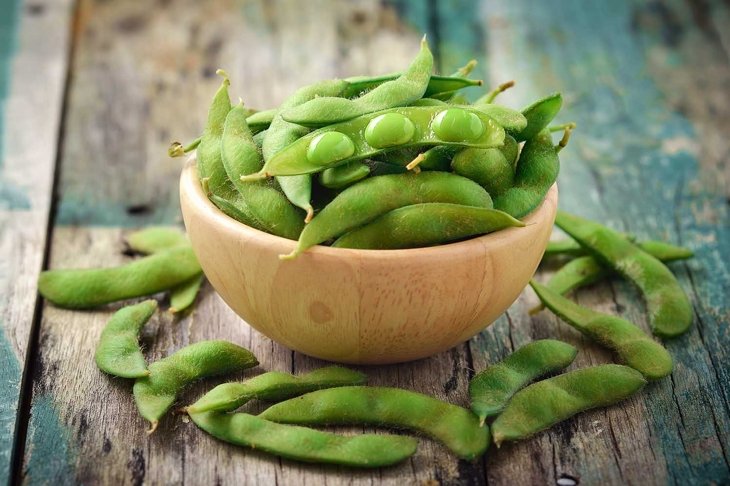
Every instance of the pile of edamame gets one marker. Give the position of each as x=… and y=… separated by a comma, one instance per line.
x=383, y=162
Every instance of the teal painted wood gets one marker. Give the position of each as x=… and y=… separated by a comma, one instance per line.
x=640, y=162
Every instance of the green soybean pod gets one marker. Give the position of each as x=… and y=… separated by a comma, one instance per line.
x=360, y=138
x=154, y=394
x=210, y=167
x=426, y=224
x=282, y=133
x=511, y=120
x=491, y=389
x=274, y=386
x=260, y=121
x=662, y=250
x=633, y=347
x=271, y=209
x=487, y=167
x=510, y=149
x=359, y=85
x=669, y=308
x=159, y=238
x=86, y=288
x=428, y=102
x=537, y=170
x=456, y=427
x=118, y=352
x=343, y=175
x=366, y=200
x=155, y=239
x=539, y=115
x=304, y=444
x=548, y=402
x=403, y=90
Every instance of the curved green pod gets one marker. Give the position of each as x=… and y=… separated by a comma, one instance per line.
x=487, y=167
x=633, y=347
x=548, y=402
x=358, y=85
x=155, y=393
x=491, y=389
x=118, y=352
x=426, y=224
x=539, y=115
x=366, y=200
x=304, y=444
x=343, y=175
x=297, y=158
x=86, y=288
x=670, y=310
x=455, y=427
x=406, y=88
x=274, y=386
x=662, y=250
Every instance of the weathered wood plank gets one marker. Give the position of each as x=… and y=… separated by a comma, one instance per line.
x=646, y=159
x=32, y=77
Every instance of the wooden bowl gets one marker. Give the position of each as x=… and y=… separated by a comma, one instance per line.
x=363, y=306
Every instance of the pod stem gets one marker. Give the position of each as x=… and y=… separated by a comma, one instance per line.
x=560, y=128
x=566, y=137
x=413, y=164
x=310, y=214
x=256, y=176
x=153, y=427
x=177, y=149
x=489, y=97
x=466, y=69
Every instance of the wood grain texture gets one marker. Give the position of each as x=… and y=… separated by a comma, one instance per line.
x=31, y=94
x=647, y=84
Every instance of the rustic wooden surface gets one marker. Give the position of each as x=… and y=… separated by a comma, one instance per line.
x=647, y=82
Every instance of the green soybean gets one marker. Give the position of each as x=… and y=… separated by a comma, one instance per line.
x=343, y=175
x=537, y=170
x=161, y=238
x=296, y=158
x=282, y=133
x=492, y=388
x=261, y=120
x=272, y=210
x=155, y=393
x=155, y=239
x=455, y=427
x=548, y=402
x=669, y=308
x=304, y=444
x=457, y=125
x=408, y=87
x=365, y=201
x=118, y=352
x=539, y=115
x=274, y=386
x=631, y=344
x=86, y=288
x=487, y=167
x=426, y=224
x=329, y=147
x=665, y=252
x=388, y=130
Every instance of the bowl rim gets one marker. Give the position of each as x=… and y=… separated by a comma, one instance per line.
x=191, y=188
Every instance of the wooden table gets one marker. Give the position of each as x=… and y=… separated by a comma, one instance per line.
x=92, y=93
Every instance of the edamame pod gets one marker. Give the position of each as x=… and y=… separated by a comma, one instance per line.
x=511, y=120
x=426, y=224
x=669, y=308
x=548, y=402
x=274, y=386
x=455, y=427
x=160, y=238
x=155, y=393
x=118, y=352
x=282, y=133
x=539, y=115
x=487, y=167
x=343, y=175
x=304, y=444
x=86, y=288
x=363, y=202
x=268, y=207
x=408, y=87
x=359, y=85
x=633, y=347
x=491, y=389
x=260, y=121
x=665, y=252
x=356, y=139
x=537, y=170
